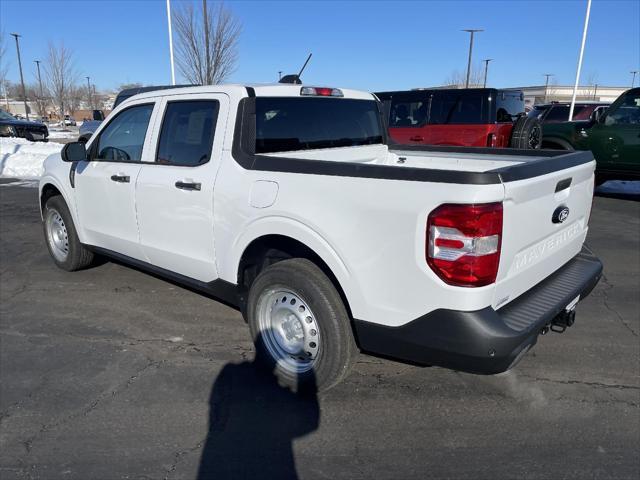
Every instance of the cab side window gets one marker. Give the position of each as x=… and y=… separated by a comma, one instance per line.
x=187, y=133
x=627, y=113
x=122, y=140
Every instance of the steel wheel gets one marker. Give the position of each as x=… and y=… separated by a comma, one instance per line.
x=289, y=329
x=57, y=235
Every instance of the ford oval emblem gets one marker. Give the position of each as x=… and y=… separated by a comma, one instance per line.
x=560, y=215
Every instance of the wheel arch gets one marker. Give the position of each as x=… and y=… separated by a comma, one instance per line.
x=556, y=143
x=48, y=188
x=269, y=248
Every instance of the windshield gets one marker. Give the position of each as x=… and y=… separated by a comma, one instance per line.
x=307, y=123
x=6, y=116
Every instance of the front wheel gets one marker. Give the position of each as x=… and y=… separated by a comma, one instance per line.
x=62, y=240
x=300, y=326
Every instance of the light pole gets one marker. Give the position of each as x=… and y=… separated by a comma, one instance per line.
x=24, y=92
x=633, y=79
x=486, y=70
x=546, y=85
x=471, y=31
x=173, y=71
x=89, y=92
x=584, y=39
x=279, y=75
x=37, y=62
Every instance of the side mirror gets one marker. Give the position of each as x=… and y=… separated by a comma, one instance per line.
x=98, y=115
x=595, y=116
x=74, y=152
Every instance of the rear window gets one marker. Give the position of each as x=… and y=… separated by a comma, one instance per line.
x=287, y=124
x=560, y=113
x=508, y=106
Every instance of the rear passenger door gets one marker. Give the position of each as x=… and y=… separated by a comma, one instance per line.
x=174, y=194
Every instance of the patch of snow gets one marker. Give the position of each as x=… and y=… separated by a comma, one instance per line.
x=20, y=158
x=63, y=134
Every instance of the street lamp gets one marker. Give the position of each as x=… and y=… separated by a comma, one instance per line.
x=486, y=70
x=24, y=92
x=89, y=92
x=546, y=85
x=40, y=103
x=471, y=31
x=633, y=79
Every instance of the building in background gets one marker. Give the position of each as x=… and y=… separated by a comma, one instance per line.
x=563, y=93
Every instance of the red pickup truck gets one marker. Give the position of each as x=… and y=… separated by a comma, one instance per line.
x=471, y=117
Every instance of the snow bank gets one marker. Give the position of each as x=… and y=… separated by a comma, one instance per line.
x=20, y=158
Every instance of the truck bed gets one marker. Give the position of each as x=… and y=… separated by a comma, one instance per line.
x=424, y=163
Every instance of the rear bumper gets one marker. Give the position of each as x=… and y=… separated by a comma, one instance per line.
x=484, y=341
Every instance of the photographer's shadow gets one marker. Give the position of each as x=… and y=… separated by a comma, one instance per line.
x=253, y=422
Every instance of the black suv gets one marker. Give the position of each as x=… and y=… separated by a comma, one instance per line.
x=10, y=126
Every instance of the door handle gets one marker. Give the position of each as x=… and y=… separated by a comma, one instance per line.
x=188, y=185
x=121, y=178
x=417, y=138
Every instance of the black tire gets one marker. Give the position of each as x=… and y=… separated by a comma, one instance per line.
x=336, y=349
x=526, y=134
x=77, y=256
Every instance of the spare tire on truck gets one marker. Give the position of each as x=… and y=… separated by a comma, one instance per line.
x=526, y=134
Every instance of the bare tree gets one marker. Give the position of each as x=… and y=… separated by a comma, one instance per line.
x=207, y=47
x=33, y=91
x=76, y=94
x=458, y=79
x=61, y=75
x=591, y=88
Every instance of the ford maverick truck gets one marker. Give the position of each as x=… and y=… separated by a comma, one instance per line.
x=287, y=202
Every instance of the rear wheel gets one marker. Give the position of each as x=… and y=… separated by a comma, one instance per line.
x=300, y=325
x=62, y=240
x=526, y=134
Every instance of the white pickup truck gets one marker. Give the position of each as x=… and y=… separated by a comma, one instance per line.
x=287, y=202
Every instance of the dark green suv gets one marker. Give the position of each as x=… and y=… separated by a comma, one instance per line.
x=613, y=137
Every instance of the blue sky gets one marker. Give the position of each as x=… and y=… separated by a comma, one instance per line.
x=365, y=45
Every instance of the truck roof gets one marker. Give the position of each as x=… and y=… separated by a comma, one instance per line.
x=259, y=90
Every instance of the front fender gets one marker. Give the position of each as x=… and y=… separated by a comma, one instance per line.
x=56, y=173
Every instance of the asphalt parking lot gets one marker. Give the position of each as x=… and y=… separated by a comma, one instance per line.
x=112, y=373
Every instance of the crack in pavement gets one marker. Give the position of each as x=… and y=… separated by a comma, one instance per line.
x=614, y=386
x=605, y=301
x=28, y=443
x=177, y=457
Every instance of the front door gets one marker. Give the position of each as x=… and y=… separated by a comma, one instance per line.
x=615, y=141
x=105, y=183
x=174, y=195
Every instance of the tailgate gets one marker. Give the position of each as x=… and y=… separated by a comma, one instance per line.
x=539, y=234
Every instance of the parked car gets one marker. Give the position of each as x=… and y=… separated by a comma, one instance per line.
x=555, y=112
x=284, y=201
x=474, y=117
x=613, y=137
x=69, y=121
x=10, y=126
x=87, y=128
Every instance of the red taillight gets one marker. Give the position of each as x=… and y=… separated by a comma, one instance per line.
x=463, y=243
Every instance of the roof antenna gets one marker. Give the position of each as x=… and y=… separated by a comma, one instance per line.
x=293, y=78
